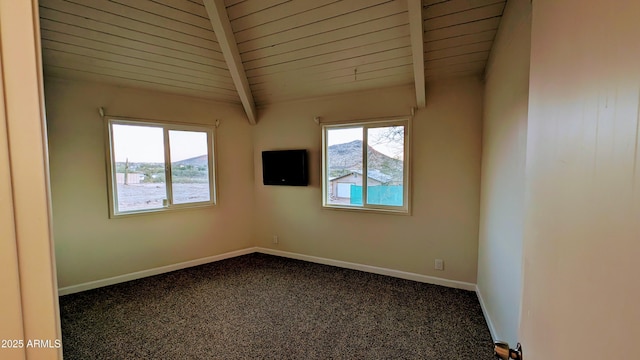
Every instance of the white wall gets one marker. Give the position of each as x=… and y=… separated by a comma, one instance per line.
x=446, y=171
x=89, y=245
x=582, y=228
x=503, y=172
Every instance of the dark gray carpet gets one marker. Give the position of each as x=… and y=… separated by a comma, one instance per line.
x=266, y=307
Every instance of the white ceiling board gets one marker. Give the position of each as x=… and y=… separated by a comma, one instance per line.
x=488, y=35
x=81, y=46
x=269, y=50
x=100, y=16
x=229, y=3
x=286, y=11
x=167, y=12
x=458, y=50
x=370, y=49
x=341, y=24
x=459, y=35
x=76, y=74
x=455, y=74
x=353, y=77
x=465, y=66
x=195, y=8
x=361, y=85
x=462, y=29
x=56, y=28
x=134, y=77
x=58, y=57
x=464, y=17
x=62, y=22
x=426, y=3
x=325, y=69
x=329, y=38
x=308, y=17
x=86, y=71
x=120, y=72
x=146, y=17
x=350, y=73
x=476, y=66
x=143, y=43
x=455, y=60
x=398, y=34
x=455, y=6
x=248, y=7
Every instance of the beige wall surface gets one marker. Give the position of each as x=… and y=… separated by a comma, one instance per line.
x=89, y=245
x=582, y=228
x=503, y=177
x=446, y=144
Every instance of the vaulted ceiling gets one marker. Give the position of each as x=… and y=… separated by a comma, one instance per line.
x=257, y=52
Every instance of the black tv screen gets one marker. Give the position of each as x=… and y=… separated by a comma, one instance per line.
x=284, y=167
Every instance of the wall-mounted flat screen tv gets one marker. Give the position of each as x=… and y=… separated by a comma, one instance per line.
x=285, y=167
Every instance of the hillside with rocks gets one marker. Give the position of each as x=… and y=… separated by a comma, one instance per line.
x=344, y=158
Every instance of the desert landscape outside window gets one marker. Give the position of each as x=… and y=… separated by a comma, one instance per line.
x=365, y=166
x=158, y=166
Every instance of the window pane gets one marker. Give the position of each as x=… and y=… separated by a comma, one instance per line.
x=189, y=166
x=385, y=165
x=138, y=157
x=344, y=166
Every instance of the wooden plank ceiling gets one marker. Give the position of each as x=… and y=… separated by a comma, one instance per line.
x=289, y=49
x=458, y=35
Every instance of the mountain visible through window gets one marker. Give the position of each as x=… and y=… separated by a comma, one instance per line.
x=375, y=179
x=158, y=166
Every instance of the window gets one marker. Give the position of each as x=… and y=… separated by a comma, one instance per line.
x=156, y=166
x=366, y=167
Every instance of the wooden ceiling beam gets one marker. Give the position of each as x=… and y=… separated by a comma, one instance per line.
x=416, y=28
x=224, y=33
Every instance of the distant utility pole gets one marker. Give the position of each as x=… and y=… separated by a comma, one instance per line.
x=126, y=172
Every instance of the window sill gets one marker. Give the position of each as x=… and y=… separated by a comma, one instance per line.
x=403, y=212
x=160, y=210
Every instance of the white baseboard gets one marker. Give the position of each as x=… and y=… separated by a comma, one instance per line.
x=325, y=261
x=487, y=318
x=372, y=269
x=150, y=272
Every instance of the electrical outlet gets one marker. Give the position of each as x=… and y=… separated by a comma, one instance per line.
x=439, y=264
x=275, y=239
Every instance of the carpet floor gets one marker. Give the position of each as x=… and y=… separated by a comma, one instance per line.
x=266, y=307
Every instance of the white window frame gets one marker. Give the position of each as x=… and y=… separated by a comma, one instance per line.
x=405, y=209
x=166, y=127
